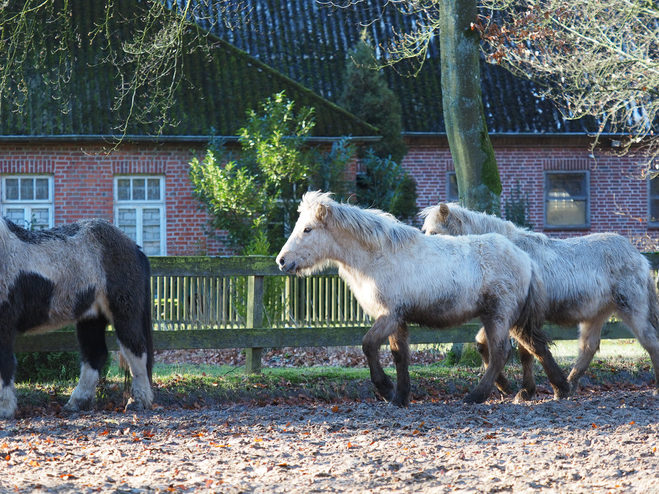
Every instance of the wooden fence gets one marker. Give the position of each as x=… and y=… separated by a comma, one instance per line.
x=246, y=302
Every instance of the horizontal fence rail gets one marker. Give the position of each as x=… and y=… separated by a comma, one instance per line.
x=246, y=302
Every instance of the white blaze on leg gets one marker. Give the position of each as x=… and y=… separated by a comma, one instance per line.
x=8, y=402
x=141, y=394
x=83, y=396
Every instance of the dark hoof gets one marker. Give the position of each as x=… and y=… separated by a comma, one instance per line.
x=400, y=401
x=388, y=396
x=504, y=386
x=562, y=393
x=524, y=395
x=474, y=398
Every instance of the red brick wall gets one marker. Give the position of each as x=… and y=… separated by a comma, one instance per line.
x=619, y=199
x=83, y=176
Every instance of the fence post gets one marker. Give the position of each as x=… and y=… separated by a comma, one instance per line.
x=254, y=320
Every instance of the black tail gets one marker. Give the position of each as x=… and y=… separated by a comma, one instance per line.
x=653, y=304
x=531, y=319
x=147, y=324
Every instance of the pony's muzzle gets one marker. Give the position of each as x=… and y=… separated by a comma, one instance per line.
x=283, y=266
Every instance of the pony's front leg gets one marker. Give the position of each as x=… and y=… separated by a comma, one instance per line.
x=499, y=348
x=538, y=346
x=400, y=350
x=382, y=328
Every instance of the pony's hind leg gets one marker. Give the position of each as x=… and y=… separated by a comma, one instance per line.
x=527, y=392
x=8, y=403
x=646, y=334
x=137, y=352
x=589, y=343
x=400, y=350
x=501, y=382
x=538, y=346
x=499, y=348
x=383, y=327
x=93, y=355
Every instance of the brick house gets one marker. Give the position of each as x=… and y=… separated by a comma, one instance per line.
x=62, y=164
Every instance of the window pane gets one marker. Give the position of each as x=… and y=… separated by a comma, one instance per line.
x=654, y=187
x=128, y=222
x=654, y=211
x=17, y=215
x=566, y=185
x=151, y=231
x=39, y=219
x=453, y=195
x=123, y=189
x=153, y=189
x=27, y=189
x=566, y=212
x=11, y=189
x=139, y=189
x=42, y=191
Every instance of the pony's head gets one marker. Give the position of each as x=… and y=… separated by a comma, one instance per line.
x=329, y=231
x=306, y=249
x=442, y=220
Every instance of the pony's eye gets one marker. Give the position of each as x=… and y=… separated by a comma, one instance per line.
x=307, y=230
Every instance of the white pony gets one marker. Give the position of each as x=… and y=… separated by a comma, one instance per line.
x=401, y=276
x=587, y=279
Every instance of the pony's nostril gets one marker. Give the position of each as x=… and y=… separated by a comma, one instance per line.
x=282, y=261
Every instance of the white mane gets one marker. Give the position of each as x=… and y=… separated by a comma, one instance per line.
x=369, y=226
x=463, y=221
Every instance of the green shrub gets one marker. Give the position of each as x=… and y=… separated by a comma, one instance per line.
x=50, y=366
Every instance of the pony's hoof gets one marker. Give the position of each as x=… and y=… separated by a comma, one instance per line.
x=136, y=406
x=400, y=402
x=472, y=398
x=389, y=396
x=562, y=393
x=524, y=396
x=506, y=390
x=574, y=387
x=74, y=406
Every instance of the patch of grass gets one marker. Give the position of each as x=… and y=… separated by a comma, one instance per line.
x=192, y=386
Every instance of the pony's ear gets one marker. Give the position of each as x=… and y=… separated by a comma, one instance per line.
x=323, y=211
x=444, y=212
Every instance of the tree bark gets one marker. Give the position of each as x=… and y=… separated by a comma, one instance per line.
x=479, y=185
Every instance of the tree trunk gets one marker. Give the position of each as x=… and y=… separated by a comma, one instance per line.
x=476, y=169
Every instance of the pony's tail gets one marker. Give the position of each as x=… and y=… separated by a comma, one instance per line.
x=653, y=304
x=531, y=319
x=147, y=324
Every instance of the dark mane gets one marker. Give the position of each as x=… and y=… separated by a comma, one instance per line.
x=40, y=236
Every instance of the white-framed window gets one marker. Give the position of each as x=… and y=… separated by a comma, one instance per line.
x=567, y=199
x=27, y=200
x=139, y=211
x=452, y=187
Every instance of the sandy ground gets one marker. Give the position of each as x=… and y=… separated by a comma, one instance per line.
x=596, y=442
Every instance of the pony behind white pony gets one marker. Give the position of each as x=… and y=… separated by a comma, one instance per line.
x=400, y=276
x=587, y=279
x=89, y=274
